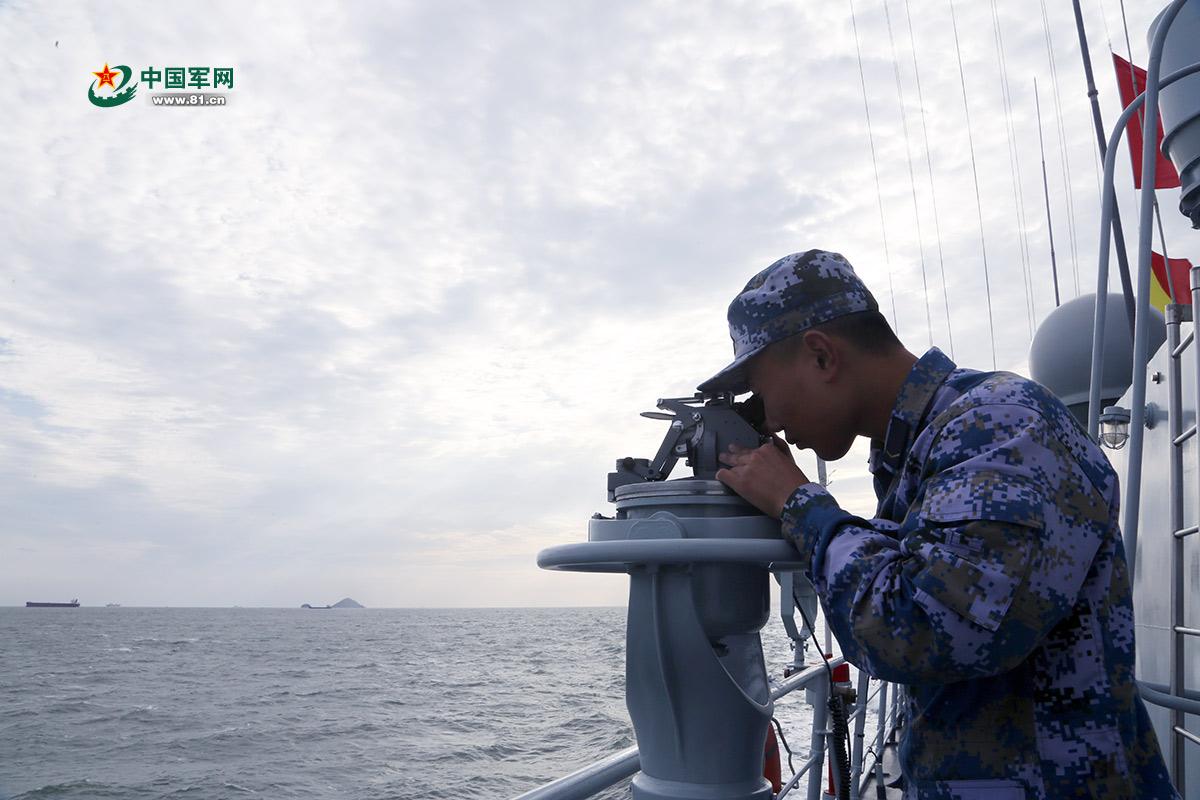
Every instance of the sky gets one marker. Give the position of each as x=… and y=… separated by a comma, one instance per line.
x=379, y=326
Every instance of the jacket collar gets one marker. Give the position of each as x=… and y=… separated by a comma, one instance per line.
x=923, y=381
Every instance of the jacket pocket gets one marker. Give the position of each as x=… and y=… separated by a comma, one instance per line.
x=978, y=585
x=981, y=530
x=984, y=494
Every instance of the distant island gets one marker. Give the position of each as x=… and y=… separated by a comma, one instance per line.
x=345, y=602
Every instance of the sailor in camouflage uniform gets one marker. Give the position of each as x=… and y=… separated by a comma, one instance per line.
x=991, y=583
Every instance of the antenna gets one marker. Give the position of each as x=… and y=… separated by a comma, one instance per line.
x=1046, y=189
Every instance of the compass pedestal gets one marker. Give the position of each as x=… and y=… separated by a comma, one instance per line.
x=696, y=683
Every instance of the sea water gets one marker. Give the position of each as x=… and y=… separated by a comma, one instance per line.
x=339, y=703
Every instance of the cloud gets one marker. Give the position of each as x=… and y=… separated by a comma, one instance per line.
x=380, y=325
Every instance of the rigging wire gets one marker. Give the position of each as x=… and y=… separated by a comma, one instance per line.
x=1014, y=170
x=1046, y=190
x=1097, y=168
x=839, y=744
x=1104, y=16
x=887, y=259
x=975, y=174
x=912, y=179
x=1014, y=167
x=1108, y=39
x=937, y=227
x=783, y=739
x=1065, y=160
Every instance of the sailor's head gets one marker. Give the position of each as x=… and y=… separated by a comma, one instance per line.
x=801, y=330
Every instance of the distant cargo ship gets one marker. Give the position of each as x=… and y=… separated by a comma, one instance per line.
x=73, y=604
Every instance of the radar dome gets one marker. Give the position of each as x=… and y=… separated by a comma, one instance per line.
x=1060, y=357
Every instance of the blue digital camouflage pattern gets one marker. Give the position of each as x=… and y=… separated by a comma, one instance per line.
x=792, y=295
x=993, y=585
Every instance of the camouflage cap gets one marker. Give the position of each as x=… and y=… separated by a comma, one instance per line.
x=788, y=297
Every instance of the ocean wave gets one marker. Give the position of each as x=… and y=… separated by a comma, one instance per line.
x=74, y=789
x=216, y=706
x=154, y=640
x=69, y=705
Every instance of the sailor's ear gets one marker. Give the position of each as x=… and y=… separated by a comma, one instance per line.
x=822, y=351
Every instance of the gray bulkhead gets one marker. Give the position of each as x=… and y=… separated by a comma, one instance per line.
x=1152, y=565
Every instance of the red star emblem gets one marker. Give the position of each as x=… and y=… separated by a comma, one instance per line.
x=106, y=77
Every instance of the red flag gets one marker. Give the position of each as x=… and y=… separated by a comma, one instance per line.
x=1131, y=80
x=1180, y=268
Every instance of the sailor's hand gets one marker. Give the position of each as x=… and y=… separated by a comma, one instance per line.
x=766, y=476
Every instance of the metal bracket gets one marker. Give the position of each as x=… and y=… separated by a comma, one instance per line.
x=1178, y=312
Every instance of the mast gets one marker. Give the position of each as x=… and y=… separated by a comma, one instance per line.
x=1098, y=123
x=1046, y=190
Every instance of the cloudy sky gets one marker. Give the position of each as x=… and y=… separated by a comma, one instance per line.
x=379, y=326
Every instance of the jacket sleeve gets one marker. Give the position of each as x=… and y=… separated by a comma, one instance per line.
x=990, y=556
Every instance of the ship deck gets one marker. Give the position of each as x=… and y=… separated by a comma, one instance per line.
x=873, y=790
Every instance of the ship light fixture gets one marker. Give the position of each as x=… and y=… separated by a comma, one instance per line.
x=1114, y=427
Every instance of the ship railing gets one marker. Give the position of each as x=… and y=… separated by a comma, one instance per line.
x=610, y=770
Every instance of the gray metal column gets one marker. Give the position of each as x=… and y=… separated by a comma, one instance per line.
x=695, y=681
x=1179, y=742
x=1141, y=335
x=881, y=737
x=1176, y=314
x=700, y=703
x=818, y=697
x=860, y=719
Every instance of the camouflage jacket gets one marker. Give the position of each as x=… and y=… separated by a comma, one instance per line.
x=992, y=584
